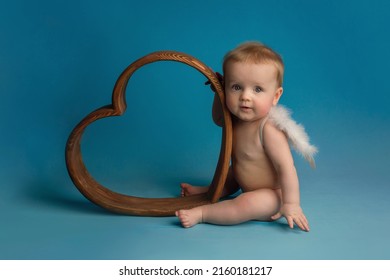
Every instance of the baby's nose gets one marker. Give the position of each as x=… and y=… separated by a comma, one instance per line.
x=244, y=96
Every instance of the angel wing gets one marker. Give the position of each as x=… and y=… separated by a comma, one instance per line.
x=280, y=116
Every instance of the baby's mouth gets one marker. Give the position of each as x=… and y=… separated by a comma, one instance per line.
x=245, y=108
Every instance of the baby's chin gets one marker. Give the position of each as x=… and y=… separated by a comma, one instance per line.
x=247, y=117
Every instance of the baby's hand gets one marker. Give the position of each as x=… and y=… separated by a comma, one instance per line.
x=293, y=214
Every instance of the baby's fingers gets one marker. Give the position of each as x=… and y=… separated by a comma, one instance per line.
x=306, y=223
x=290, y=222
x=302, y=223
x=276, y=216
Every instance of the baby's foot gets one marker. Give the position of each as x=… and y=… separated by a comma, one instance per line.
x=188, y=190
x=189, y=218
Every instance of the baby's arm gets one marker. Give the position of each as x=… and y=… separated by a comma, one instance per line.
x=277, y=148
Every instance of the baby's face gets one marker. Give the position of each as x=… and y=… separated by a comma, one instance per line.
x=251, y=89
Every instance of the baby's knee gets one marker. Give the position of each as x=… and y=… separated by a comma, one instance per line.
x=271, y=197
x=265, y=201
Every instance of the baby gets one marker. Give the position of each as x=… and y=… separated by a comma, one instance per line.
x=262, y=163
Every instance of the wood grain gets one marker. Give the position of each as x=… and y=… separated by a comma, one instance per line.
x=131, y=205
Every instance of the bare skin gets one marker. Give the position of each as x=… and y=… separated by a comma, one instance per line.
x=188, y=190
x=230, y=187
x=264, y=171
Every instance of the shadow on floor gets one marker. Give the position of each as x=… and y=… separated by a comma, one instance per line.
x=56, y=196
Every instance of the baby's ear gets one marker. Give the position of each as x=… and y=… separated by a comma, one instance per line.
x=277, y=96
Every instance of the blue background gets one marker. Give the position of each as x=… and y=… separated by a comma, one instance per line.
x=59, y=60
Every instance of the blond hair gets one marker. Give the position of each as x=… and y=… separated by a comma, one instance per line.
x=255, y=52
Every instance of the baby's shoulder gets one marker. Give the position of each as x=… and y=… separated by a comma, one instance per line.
x=272, y=132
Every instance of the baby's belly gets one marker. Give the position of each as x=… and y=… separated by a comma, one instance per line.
x=251, y=177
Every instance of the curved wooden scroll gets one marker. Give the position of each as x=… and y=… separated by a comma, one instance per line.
x=132, y=205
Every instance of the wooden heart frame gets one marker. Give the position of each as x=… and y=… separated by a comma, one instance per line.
x=140, y=206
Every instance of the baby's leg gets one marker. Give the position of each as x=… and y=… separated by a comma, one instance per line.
x=255, y=205
x=230, y=187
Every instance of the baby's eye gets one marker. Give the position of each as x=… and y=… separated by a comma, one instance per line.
x=258, y=89
x=236, y=87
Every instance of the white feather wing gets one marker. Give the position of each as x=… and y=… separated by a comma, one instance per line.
x=296, y=134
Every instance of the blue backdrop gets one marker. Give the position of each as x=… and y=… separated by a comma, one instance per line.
x=59, y=60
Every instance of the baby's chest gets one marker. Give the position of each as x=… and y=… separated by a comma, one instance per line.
x=248, y=150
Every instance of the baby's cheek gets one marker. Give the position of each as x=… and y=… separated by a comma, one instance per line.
x=263, y=110
x=230, y=104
